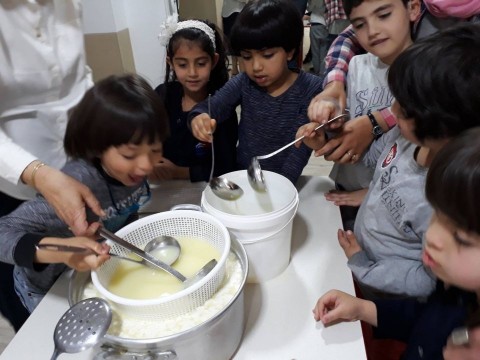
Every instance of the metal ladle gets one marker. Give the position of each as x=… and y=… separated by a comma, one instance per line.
x=254, y=171
x=156, y=262
x=81, y=326
x=221, y=187
x=164, y=247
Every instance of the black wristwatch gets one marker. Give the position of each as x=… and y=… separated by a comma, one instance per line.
x=377, y=131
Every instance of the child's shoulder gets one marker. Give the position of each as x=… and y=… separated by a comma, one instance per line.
x=309, y=83
x=80, y=170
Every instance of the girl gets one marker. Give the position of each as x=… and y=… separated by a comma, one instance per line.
x=196, y=67
x=452, y=250
x=273, y=98
x=114, y=138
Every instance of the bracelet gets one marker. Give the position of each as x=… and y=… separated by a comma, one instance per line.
x=34, y=172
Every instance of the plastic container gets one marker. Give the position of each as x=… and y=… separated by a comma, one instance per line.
x=262, y=222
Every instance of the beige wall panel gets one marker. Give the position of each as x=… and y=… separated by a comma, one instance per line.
x=201, y=9
x=109, y=53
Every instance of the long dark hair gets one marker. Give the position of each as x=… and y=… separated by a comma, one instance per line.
x=219, y=74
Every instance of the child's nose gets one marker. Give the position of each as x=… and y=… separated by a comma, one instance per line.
x=144, y=165
x=373, y=28
x=192, y=71
x=257, y=63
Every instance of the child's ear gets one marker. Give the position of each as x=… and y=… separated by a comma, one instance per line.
x=414, y=9
x=169, y=62
x=290, y=54
x=215, y=60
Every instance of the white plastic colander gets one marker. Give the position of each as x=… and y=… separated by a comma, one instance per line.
x=173, y=223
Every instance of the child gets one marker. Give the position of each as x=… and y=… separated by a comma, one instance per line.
x=385, y=252
x=196, y=67
x=273, y=99
x=383, y=28
x=452, y=250
x=114, y=138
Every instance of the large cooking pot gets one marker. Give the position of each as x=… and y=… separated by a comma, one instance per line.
x=217, y=338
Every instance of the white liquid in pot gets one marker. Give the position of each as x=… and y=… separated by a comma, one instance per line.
x=135, y=281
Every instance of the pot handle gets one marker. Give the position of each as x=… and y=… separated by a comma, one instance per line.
x=186, y=207
x=111, y=352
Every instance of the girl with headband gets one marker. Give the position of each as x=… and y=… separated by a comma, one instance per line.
x=196, y=68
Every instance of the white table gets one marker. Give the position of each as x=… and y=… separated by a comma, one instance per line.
x=280, y=323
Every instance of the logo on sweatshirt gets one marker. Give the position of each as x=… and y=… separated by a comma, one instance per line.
x=392, y=154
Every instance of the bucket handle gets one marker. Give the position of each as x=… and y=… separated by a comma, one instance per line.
x=186, y=207
x=275, y=233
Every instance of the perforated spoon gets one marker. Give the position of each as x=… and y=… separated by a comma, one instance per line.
x=81, y=326
x=254, y=171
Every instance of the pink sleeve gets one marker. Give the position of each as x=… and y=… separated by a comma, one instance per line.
x=463, y=9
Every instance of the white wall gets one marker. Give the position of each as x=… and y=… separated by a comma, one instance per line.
x=143, y=19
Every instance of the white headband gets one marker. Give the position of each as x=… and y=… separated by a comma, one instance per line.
x=171, y=26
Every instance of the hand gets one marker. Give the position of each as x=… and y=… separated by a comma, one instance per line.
x=313, y=139
x=330, y=102
x=203, y=127
x=167, y=170
x=465, y=352
x=346, y=198
x=348, y=242
x=68, y=197
x=336, y=306
x=351, y=143
x=95, y=253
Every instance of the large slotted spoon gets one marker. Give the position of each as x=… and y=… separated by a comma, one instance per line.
x=82, y=326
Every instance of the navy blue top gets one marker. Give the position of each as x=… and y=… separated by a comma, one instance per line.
x=183, y=149
x=266, y=123
x=425, y=327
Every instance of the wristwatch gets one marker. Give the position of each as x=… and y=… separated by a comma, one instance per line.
x=377, y=131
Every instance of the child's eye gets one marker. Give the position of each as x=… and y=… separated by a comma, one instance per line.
x=460, y=240
x=268, y=55
x=384, y=15
x=128, y=157
x=245, y=56
x=357, y=25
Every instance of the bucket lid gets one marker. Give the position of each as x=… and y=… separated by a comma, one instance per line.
x=281, y=194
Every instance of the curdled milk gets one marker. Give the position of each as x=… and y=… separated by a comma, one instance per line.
x=136, y=281
x=128, y=327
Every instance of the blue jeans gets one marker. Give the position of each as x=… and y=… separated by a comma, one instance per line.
x=10, y=305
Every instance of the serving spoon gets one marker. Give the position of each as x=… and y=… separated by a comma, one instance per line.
x=156, y=262
x=164, y=247
x=221, y=187
x=254, y=171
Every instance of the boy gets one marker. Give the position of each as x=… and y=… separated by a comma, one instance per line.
x=383, y=28
x=433, y=107
x=394, y=215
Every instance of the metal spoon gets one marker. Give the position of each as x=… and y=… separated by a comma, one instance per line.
x=164, y=247
x=156, y=262
x=221, y=187
x=82, y=326
x=254, y=171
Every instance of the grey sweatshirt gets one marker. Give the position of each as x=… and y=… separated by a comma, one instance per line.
x=392, y=221
x=35, y=219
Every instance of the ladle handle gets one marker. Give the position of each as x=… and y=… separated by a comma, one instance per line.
x=300, y=138
x=147, y=257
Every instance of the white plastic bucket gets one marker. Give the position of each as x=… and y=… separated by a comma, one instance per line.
x=262, y=222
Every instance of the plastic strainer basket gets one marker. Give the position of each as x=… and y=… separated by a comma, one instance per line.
x=173, y=223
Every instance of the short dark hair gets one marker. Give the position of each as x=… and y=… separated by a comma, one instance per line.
x=219, y=74
x=265, y=24
x=453, y=180
x=116, y=111
x=348, y=5
x=435, y=81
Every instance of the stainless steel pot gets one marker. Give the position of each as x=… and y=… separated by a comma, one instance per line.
x=217, y=338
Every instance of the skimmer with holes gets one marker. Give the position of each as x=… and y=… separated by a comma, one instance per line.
x=82, y=326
